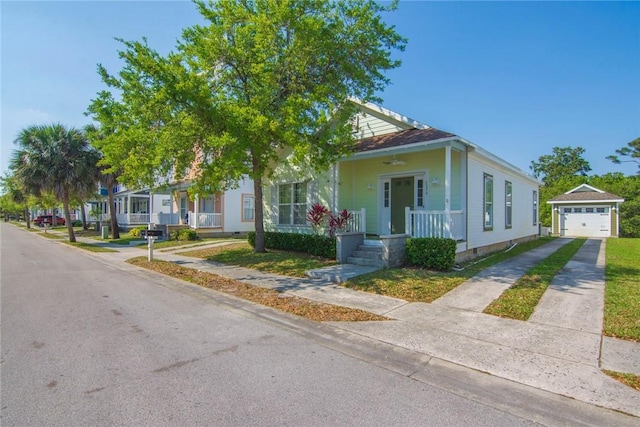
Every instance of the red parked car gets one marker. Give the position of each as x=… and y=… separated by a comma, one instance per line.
x=48, y=219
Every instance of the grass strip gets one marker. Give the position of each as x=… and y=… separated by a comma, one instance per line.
x=52, y=236
x=302, y=307
x=520, y=300
x=293, y=264
x=622, y=292
x=90, y=247
x=421, y=285
x=632, y=380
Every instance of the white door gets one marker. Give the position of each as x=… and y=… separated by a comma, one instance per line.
x=592, y=221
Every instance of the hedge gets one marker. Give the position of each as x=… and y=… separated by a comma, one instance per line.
x=184, y=234
x=431, y=252
x=311, y=244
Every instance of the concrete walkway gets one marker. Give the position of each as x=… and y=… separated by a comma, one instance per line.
x=478, y=292
x=560, y=349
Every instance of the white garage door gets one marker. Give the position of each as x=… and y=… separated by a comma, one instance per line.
x=588, y=221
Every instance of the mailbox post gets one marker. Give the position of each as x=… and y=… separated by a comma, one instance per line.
x=150, y=235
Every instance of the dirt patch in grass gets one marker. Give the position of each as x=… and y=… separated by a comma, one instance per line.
x=286, y=263
x=290, y=304
x=632, y=380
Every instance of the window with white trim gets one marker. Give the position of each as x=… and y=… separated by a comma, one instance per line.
x=420, y=193
x=248, y=207
x=292, y=204
x=488, y=202
x=508, y=204
x=535, y=208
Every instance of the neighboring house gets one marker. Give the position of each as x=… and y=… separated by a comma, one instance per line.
x=585, y=211
x=231, y=212
x=405, y=177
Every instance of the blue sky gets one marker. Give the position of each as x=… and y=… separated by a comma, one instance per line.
x=516, y=78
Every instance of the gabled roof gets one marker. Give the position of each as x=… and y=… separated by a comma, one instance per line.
x=404, y=137
x=585, y=193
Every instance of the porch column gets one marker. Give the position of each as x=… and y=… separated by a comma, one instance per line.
x=129, y=209
x=150, y=207
x=171, y=201
x=447, y=189
x=196, y=203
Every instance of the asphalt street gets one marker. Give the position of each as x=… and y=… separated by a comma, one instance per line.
x=88, y=343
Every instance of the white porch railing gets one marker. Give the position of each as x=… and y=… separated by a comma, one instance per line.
x=434, y=224
x=358, y=221
x=165, y=218
x=133, y=218
x=205, y=220
x=101, y=217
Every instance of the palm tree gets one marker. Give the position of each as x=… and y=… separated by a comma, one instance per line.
x=54, y=158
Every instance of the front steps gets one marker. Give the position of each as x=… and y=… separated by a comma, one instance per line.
x=369, y=254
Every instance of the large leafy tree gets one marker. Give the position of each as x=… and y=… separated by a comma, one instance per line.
x=14, y=196
x=260, y=79
x=108, y=174
x=55, y=159
x=632, y=151
x=564, y=162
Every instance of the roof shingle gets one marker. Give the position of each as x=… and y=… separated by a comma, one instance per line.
x=397, y=139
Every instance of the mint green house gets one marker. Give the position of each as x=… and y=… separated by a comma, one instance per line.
x=407, y=178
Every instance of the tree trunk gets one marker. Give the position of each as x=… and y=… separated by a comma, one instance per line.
x=259, y=219
x=85, y=226
x=27, y=216
x=67, y=217
x=115, y=232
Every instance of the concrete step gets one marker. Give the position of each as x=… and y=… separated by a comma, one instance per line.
x=365, y=261
x=370, y=248
x=367, y=254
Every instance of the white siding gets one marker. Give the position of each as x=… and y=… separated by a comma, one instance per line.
x=522, y=222
x=232, y=208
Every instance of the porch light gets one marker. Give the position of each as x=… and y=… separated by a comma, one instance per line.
x=435, y=181
x=370, y=186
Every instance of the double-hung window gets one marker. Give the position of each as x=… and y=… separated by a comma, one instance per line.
x=248, y=207
x=508, y=204
x=488, y=202
x=535, y=208
x=292, y=204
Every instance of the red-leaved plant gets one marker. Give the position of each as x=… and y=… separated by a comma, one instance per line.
x=316, y=216
x=339, y=222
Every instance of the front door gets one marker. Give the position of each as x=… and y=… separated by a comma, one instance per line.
x=402, y=195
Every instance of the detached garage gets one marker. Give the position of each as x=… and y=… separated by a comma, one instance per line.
x=585, y=211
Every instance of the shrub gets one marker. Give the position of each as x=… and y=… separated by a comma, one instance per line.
x=135, y=232
x=76, y=223
x=184, y=234
x=311, y=244
x=430, y=252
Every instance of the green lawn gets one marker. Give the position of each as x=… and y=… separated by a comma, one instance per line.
x=90, y=247
x=622, y=294
x=520, y=300
x=420, y=285
x=279, y=262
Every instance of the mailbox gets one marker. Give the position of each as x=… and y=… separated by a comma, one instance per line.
x=150, y=233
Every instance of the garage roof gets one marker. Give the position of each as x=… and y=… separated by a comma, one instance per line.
x=586, y=194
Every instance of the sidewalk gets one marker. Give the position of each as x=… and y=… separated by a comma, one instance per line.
x=560, y=349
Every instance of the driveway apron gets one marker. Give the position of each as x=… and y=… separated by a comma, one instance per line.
x=478, y=292
x=575, y=297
